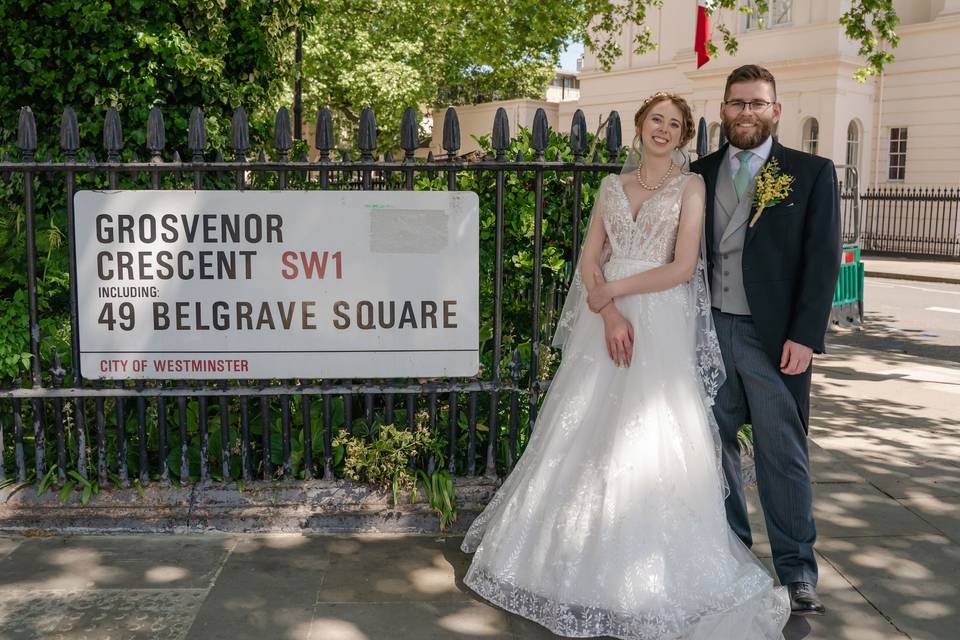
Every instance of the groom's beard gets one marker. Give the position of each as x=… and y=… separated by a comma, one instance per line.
x=748, y=140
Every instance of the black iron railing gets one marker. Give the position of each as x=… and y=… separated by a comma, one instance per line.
x=903, y=221
x=161, y=431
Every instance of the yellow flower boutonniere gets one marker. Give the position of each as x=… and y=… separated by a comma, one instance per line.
x=772, y=188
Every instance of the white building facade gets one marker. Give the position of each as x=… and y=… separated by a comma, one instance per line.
x=911, y=114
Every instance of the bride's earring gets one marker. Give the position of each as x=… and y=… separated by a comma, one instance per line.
x=678, y=157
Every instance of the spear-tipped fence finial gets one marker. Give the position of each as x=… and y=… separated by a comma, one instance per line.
x=501, y=132
x=367, y=138
x=112, y=135
x=282, y=133
x=197, y=134
x=240, y=133
x=578, y=134
x=409, y=133
x=703, y=141
x=27, y=133
x=541, y=132
x=69, y=133
x=451, y=132
x=614, y=135
x=156, y=134
x=323, y=139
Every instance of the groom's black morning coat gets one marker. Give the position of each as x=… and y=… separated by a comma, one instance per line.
x=791, y=257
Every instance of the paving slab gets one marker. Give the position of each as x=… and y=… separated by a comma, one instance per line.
x=851, y=510
x=390, y=568
x=906, y=445
x=846, y=510
x=826, y=467
x=131, y=614
x=114, y=562
x=8, y=544
x=267, y=588
x=409, y=620
x=913, y=580
x=943, y=512
x=900, y=475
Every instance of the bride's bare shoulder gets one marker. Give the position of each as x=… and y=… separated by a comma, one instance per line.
x=694, y=184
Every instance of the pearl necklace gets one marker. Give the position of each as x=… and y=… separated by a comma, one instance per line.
x=659, y=184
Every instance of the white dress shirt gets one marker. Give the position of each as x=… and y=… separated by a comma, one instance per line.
x=760, y=155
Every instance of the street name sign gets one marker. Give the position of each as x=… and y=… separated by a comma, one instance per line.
x=277, y=284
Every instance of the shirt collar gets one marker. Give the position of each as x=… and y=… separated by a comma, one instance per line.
x=762, y=151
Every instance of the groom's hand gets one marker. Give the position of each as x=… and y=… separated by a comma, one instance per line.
x=795, y=359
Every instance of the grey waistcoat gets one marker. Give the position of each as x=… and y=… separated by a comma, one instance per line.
x=729, y=231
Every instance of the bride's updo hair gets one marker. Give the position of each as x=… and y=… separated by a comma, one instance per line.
x=686, y=135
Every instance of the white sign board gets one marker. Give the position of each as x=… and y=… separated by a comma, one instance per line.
x=277, y=284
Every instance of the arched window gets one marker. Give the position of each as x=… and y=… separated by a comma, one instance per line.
x=853, y=148
x=713, y=138
x=811, y=134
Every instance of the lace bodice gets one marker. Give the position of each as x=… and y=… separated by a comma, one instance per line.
x=652, y=237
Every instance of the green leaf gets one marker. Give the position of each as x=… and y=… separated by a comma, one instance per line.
x=66, y=490
x=46, y=481
x=79, y=478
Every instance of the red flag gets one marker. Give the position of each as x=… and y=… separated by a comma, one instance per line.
x=702, y=36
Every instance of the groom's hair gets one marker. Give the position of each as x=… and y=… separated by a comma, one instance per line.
x=749, y=73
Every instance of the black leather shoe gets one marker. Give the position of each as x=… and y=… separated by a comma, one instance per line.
x=804, y=600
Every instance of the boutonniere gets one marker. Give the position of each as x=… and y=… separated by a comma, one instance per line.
x=772, y=188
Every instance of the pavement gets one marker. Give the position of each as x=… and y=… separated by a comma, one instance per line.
x=885, y=452
x=912, y=269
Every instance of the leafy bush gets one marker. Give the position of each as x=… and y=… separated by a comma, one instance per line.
x=385, y=461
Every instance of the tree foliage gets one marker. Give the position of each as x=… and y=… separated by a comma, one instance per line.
x=391, y=54
x=388, y=54
x=134, y=54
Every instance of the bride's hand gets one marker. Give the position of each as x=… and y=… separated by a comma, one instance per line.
x=599, y=295
x=618, y=333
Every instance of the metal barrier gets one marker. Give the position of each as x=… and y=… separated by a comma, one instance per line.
x=848, y=298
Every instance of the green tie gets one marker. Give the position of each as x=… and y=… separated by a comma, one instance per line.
x=741, y=181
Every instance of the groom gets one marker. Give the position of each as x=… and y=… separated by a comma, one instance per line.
x=772, y=279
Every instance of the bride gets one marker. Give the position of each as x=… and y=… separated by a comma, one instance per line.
x=612, y=523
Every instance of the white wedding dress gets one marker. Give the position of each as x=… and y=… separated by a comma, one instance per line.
x=612, y=522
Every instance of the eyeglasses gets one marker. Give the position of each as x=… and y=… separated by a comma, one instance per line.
x=756, y=106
